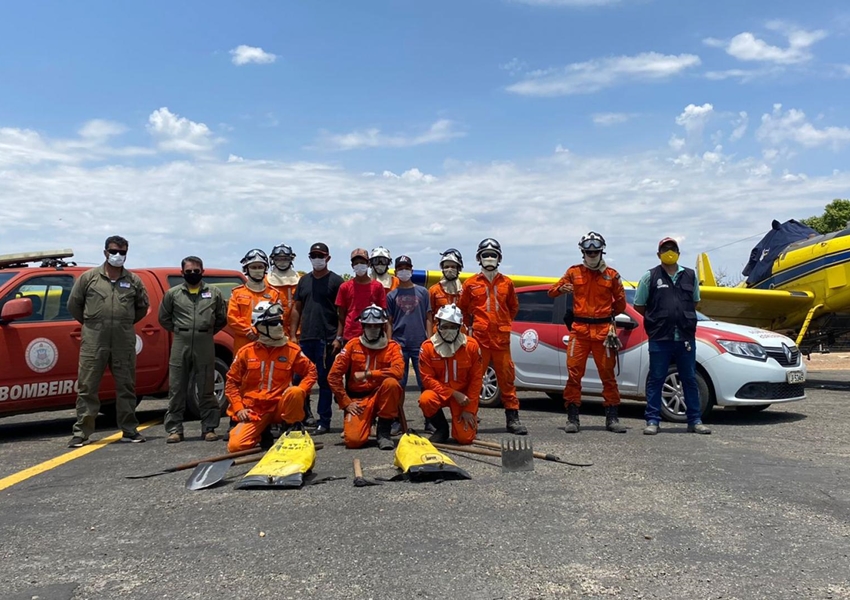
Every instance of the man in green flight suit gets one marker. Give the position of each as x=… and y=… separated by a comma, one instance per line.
x=194, y=312
x=108, y=300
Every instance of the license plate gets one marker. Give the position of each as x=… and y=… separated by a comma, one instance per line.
x=795, y=377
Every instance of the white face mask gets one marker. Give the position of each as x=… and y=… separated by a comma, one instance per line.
x=116, y=260
x=448, y=333
x=372, y=332
x=450, y=273
x=360, y=270
x=319, y=264
x=404, y=275
x=283, y=265
x=380, y=269
x=491, y=264
x=256, y=273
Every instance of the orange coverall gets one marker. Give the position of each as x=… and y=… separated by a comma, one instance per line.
x=596, y=295
x=286, y=295
x=260, y=380
x=242, y=302
x=491, y=307
x=440, y=298
x=463, y=372
x=380, y=394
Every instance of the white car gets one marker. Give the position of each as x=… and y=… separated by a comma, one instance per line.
x=739, y=366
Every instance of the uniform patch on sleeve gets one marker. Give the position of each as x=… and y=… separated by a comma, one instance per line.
x=282, y=359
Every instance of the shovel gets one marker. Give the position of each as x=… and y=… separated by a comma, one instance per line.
x=207, y=474
x=540, y=455
x=359, y=480
x=193, y=464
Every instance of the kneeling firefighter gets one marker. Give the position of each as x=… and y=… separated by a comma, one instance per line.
x=259, y=383
x=452, y=375
x=598, y=296
x=366, y=381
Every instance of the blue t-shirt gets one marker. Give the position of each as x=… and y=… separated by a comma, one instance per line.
x=409, y=308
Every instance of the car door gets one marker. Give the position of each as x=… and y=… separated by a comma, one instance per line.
x=536, y=346
x=152, y=342
x=39, y=353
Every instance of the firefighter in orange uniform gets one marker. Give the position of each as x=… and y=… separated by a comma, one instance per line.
x=448, y=289
x=259, y=383
x=366, y=381
x=452, y=375
x=598, y=296
x=380, y=260
x=284, y=278
x=245, y=297
x=489, y=304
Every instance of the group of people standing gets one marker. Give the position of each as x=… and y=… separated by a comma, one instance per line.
x=358, y=338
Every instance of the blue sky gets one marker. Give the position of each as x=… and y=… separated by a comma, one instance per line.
x=210, y=128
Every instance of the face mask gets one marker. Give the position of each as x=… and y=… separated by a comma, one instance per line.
x=380, y=269
x=671, y=257
x=193, y=278
x=372, y=332
x=360, y=270
x=319, y=264
x=116, y=260
x=491, y=264
x=283, y=265
x=448, y=333
x=274, y=332
x=257, y=273
x=404, y=275
x=450, y=273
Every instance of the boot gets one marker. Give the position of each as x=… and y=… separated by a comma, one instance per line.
x=441, y=428
x=513, y=424
x=382, y=434
x=309, y=419
x=429, y=426
x=573, y=424
x=266, y=438
x=612, y=423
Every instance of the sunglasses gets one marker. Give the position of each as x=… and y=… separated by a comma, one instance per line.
x=114, y=251
x=591, y=252
x=489, y=255
x=316, y=255
x=192, y=271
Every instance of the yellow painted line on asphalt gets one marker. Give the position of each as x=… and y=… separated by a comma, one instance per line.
x=20, y=476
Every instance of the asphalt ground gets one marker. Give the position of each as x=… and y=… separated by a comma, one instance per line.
x=759, y=509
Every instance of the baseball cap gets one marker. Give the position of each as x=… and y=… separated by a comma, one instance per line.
x=359, y=253
x=319, y=247
x=668, y=240
x=403, y=260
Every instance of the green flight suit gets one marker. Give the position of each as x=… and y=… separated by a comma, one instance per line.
x=193, y=319
x=108, y=310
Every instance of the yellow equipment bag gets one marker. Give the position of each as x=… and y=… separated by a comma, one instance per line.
x=284, y=465
x=419, y=460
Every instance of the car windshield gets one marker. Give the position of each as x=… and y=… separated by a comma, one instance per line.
x=6, y=276
x=630, y=298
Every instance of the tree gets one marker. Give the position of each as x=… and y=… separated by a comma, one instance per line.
x=835, y=217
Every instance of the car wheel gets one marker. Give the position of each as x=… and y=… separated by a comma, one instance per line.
x=673, y=397
x=491, y=395
x=751, y=409
x=219, y=378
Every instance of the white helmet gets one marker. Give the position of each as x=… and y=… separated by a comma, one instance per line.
x=450, y=314
x=380, y=252
x=266, y=311
x=592, y=241
x=373, y=315
x=489, y=245
x=452, y=255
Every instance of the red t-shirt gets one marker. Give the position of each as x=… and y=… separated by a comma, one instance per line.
x=354, y=298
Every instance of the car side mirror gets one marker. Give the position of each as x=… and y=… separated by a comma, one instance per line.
x=625, y=321
x=13, y=310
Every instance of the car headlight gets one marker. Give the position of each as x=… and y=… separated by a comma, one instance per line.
x=744, y=349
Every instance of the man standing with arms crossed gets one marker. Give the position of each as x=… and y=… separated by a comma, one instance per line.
x=489, y=304
x=193, y=312
x=667, y=297
x=108, y=301
x=314, y=312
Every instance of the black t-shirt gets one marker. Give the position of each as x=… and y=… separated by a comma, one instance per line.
x=317, y=296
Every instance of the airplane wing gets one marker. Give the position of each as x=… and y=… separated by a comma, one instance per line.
x=747, y=306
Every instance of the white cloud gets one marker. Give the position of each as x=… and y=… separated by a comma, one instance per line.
x=708, y=195
x=747, y=47
x=442, y=130
x=740, y=127
x=608, y=119
x=676, y=143
x=694, y=118
x=601, y=73
x=174, y=133
x=794, y=178
x=101, y=129
x=514, y=66
x=792, y=126
x=243, y=55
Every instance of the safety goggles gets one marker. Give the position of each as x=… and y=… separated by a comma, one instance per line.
x=489, y=254
x=592, y=245
x=114, y=251
x=254, y=256
x=373, y=312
